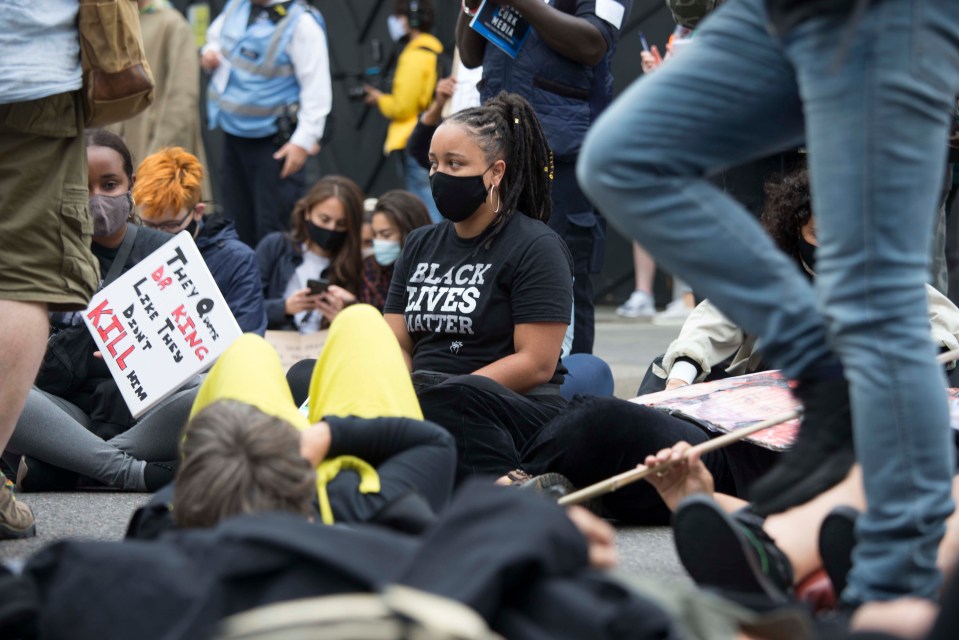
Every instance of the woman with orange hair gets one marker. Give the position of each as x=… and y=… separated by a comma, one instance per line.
x=167, y=193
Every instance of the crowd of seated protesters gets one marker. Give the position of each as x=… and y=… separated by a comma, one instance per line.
x=416, y=458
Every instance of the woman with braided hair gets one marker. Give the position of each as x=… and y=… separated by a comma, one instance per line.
x=481, y=301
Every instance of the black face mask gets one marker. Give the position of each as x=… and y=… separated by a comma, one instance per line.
x=325, y=239
x=457, y=197
x=191, y=228
x=808, y=253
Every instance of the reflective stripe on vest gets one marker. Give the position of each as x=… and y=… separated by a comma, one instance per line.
x=262, y=83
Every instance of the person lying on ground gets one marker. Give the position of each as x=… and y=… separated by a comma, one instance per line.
x=374, y=456
x=724, y=545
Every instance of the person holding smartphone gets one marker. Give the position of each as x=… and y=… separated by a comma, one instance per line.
x=310, y=273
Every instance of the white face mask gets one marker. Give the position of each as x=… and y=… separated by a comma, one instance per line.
x=396, y=27
x=367, y=252
x=386, y=251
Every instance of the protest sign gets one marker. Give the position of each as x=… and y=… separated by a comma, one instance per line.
x=503, y=26
x=293, y=346
x=732, y=403
x=726, y=405
x=161, y=323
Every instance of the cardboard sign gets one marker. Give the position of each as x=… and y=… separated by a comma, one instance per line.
x=505, y=27
x=161, y=323
x=294, y=346
x=726, y=405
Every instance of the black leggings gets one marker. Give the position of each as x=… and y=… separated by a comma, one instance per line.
x=595, y=438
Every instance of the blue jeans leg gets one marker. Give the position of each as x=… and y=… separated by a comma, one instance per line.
x=876, y=135
x=877, y=120
x=418, y=183
x=728, y=98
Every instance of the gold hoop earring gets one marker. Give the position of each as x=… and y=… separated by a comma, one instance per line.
x=499, y=198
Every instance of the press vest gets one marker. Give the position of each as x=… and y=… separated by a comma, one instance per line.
x=559, y=89
x=262, y=82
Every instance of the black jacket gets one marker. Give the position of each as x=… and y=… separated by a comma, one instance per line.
x=277, y=259
x=234, y=268
x=511, y=556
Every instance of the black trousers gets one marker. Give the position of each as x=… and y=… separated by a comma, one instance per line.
x=490, y=423
x=254, y=196
x=584, y=231
x=595, y=438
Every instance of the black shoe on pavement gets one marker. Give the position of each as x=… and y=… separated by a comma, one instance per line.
x=730, y=552
x=36, y=476
x=837, y=538
x=551, y=485
x=822, y=454
x=157, y=475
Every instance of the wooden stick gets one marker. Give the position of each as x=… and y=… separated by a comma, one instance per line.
x=628, y=477
x=633, y=475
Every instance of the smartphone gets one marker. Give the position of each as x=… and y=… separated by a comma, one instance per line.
x=318, y=286
x=642, y=39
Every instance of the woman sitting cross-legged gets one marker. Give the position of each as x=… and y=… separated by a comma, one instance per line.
x=75, y=426
x=480, y=302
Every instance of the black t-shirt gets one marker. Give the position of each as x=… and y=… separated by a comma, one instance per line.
x=462, y=300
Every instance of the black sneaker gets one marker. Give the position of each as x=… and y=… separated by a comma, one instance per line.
x=822, y=454
x=551, y=485
x=36, y=476
x=157, y=475
x=837, y=539
x=730, y=552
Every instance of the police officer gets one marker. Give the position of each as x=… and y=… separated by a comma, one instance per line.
x=270, y=92
x=562, y=69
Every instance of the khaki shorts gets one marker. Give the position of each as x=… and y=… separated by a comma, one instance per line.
x=45, y=225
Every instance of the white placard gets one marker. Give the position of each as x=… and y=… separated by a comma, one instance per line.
x=610, y=11
x=161, y=323
x=293, y=346
x=221, y=75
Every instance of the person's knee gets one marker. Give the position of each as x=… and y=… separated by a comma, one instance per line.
x=606, y=163
x=588, y=375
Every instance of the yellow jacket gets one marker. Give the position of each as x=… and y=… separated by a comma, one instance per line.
x=413, y=86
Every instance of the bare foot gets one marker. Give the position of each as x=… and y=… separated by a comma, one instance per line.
x=516, y=476
x=904, y=618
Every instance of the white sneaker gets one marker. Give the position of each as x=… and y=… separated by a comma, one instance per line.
x=639, y=305
x=674, y=314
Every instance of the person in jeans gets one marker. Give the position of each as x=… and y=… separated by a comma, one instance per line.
x=414, y=80
x=870, y=92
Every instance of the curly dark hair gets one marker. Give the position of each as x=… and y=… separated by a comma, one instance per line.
x=787, y=209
